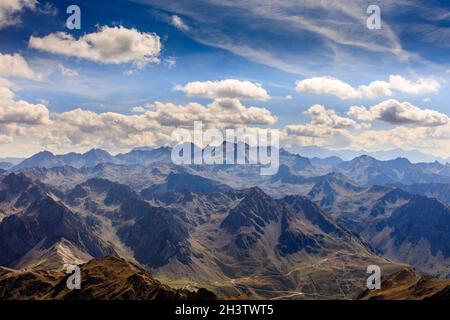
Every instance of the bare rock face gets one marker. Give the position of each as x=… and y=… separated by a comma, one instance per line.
x=41, y=222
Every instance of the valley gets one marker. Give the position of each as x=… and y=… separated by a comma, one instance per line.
x=308, y=232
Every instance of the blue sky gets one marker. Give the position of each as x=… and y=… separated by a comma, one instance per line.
x=311, y=59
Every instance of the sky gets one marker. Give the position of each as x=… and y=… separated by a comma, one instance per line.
x=137, y=70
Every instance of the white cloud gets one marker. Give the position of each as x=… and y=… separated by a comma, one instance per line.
x=10, y=10
x=229, y=88
x=16, y=66
x=220, y=113
x=5, y=89
x=324, y=123
x=344, y=91
x=178, y=23
x=399, y=113
x=421, y=86
x=308, y=130
x=15, y=114
x=151, y=126
x=29, y=126
x=22, y=112
x=67, y=71
x=429, y=139
x=138, y=110
x=113, y=45
x=327, y=85
x=328, y=118
x=19, y=112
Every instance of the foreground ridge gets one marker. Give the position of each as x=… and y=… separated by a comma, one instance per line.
x=107, y=278
x=407, y=285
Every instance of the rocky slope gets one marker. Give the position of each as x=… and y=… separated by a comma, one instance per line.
x=407, y=285
x=399, y=225
x=108, y=278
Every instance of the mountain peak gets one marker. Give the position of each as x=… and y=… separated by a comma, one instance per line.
x=44, y=153
x=255, y=192
x=364, y=158
x=97, y=151
x=401, y=161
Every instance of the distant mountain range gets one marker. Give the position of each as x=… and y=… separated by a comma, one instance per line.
x=414, y=156
x=364, y=169
x=368, y=171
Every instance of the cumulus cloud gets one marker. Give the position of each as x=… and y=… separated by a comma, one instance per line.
x=399, y=113
x=221, y=112
x=178, y=23
x=138, y=110
x=5, y=89
x=151, y=124
x=18, y=112
x=10, y=10
x=421, y=86
x=344, y=91
x=229, y=88
x=328, y=118
x=22, y=112
x=308, y=130
x=112, y=45
x=324, y=123
x=327, y=85
x=16, y=66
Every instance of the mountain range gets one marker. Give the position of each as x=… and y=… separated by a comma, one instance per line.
x=307, y=232
x=414, y=156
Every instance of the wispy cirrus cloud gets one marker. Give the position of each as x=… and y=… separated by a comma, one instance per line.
x=178, y=23
x=330, y=28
